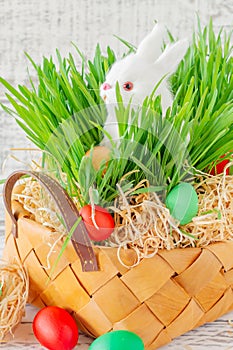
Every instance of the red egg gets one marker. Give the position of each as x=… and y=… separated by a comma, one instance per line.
x=55, y=328
x=219, y=168
x=103, y=220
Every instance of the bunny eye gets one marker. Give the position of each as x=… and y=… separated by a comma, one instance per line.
x=128, y=86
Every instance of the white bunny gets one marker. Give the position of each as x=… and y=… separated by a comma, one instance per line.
x=139, y=73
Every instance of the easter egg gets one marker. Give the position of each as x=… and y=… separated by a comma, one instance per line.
x=118, y=340
x=219, y=168
x=99, y=154
x=182, y=202
x=103, y=219
x=55, y=328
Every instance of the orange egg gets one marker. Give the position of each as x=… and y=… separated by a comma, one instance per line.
x=100, y=154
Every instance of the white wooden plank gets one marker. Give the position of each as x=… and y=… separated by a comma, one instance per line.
x=54, y=24
x=39, y=27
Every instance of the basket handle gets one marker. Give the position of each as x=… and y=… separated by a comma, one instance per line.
x=69, y=212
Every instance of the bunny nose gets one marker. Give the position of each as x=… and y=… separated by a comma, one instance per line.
x=106, y=86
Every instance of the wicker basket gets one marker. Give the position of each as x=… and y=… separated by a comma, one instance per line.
x=160, y=299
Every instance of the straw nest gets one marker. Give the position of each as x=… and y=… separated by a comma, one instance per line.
x=144, y=224
x=14, y=288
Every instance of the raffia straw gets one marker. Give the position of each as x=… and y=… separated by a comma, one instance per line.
x=144, y=224
x=38, y=202
x=214, y=221
x=14, y=286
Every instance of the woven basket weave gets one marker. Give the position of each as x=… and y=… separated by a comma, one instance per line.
x=160, y=299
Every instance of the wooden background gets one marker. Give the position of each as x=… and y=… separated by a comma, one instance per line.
x=40, y=26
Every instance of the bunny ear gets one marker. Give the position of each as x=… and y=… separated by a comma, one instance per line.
x=171, y=56
x=150, y=47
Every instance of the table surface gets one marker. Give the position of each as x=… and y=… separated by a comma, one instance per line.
x=216, y=335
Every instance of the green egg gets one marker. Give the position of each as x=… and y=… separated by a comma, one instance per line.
x=182, y=202
x=118, y=340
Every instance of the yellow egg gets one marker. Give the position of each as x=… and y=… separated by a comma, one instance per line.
x=99, y=155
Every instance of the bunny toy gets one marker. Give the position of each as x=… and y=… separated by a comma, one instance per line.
x=139, y=73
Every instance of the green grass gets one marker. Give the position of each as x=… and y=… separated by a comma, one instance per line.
x=209, y=63
x=57, y=112
x=64, y=115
